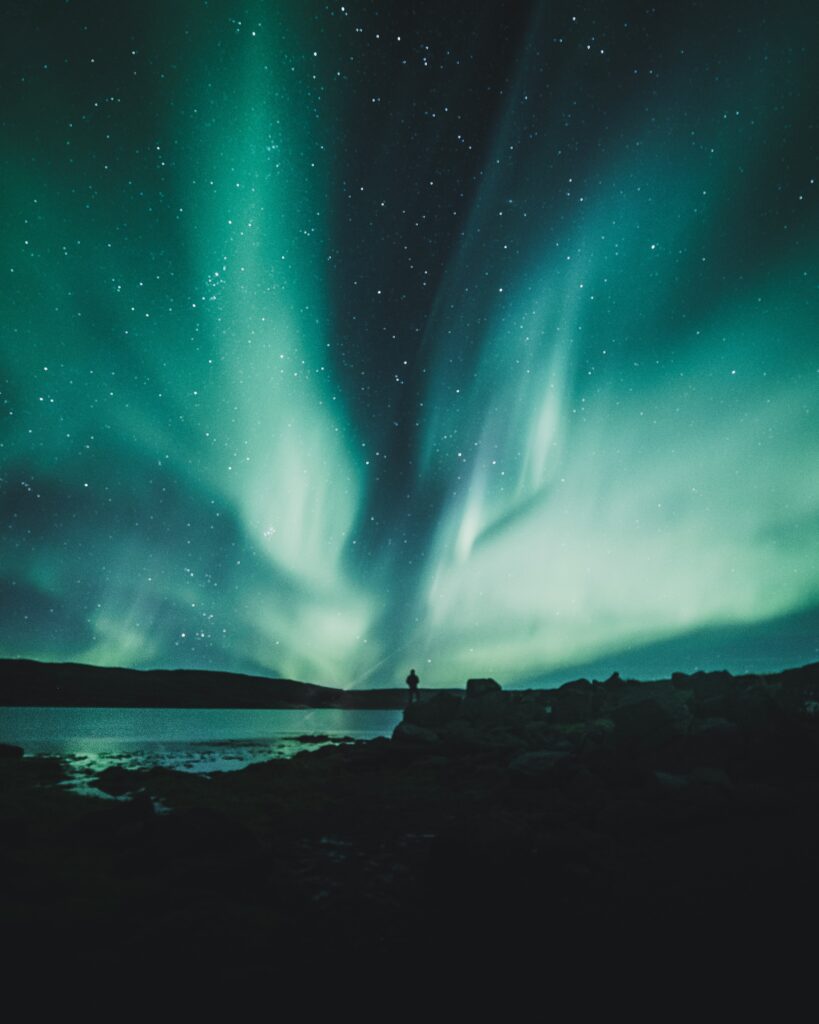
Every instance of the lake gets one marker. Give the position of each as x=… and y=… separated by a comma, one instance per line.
x=200, y=740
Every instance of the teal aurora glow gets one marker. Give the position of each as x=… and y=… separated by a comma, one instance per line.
x=340, y=338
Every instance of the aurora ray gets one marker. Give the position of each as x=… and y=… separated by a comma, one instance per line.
x=335, y=337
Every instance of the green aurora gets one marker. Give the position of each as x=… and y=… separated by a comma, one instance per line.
x=337, y=339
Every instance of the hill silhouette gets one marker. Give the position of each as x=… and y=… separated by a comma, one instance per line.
x=28, y=683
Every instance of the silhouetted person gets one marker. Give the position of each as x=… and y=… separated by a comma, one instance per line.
x=412, y=683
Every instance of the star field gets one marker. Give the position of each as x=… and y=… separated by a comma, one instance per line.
x=343, y=338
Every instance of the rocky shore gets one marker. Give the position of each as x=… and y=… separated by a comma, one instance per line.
x=607, y=818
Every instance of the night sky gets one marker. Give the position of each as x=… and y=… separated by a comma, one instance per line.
x=339, y=339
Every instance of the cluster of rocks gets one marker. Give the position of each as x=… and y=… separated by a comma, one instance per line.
x=686, y=720
x=615, y=801
x=600, y=813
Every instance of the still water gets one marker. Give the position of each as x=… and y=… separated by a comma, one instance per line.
x=194, y=740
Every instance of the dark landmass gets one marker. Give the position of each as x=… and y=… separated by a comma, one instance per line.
x=601, y=828
x=26, y=683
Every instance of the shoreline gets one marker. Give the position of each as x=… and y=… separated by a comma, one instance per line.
x=684, y=812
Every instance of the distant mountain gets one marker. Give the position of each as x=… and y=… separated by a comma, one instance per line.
x=25, y=683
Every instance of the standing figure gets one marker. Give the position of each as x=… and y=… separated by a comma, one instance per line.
x=412, y=683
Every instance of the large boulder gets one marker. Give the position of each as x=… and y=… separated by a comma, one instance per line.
x=573, y=702
x=435, y=712
x=509, y=710
x=481, y=688
x=491, y=709
x=650, y=715
x=407, y=732
x=524, y=713
x=10, y=750
x=462, y=736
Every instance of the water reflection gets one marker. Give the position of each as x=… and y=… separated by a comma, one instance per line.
x=89, y=740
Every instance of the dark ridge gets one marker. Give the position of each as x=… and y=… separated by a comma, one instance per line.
x=29, y=683
x=25, y=683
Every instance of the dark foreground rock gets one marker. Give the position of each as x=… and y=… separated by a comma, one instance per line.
x=598, y=825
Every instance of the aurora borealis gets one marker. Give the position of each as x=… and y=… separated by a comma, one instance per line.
x=343, y=338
